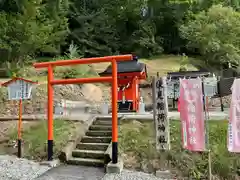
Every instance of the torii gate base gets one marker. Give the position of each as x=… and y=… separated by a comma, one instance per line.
x=112, y=79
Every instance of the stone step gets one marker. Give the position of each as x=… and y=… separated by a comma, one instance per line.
x=100, y=122
x=98, y=133
x=86, y=162
x=101, y=127
x=105, y=118
x=90, y=139
x=93, y=146
x=94, y=154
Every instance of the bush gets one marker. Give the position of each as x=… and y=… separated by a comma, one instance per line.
x=139, y=140
x=73, y=71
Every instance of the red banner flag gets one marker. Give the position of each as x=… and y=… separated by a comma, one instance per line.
x=192, y=115
x=234, y=120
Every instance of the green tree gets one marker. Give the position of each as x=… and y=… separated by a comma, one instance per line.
x=26, y=27
x=110, y=27
x=92, y=30
x=216, y=35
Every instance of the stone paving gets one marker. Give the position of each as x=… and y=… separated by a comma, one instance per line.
x=69, y=172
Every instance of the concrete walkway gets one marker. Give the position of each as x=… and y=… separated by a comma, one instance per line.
x=79, y=116
x=68, y=172
x=215, y=115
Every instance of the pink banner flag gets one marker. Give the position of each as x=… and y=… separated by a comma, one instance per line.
x=192, y=115
x=234, y=119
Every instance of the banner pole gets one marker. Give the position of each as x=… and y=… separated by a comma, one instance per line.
x=206, y=115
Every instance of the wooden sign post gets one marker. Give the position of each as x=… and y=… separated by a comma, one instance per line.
x=19, y=89
x=160, y=115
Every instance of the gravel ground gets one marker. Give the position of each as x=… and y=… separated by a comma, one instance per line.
x=130, y=175
x=12, y=168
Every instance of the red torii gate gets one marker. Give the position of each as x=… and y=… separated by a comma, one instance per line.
x=112, y=79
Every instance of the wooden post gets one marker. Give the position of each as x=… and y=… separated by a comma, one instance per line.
x=220, y=94
x=114, y=113
x=20, y=130
x=50, y=113
x=174, y=96
x=154, y=97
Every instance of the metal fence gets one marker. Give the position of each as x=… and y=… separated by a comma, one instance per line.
x=217, y=89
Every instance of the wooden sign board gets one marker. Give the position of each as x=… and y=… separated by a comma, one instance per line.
x=19, y=88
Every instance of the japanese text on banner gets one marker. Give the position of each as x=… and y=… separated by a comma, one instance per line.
x=191, y=114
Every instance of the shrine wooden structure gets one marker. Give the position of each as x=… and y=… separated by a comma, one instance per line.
x=129, y=75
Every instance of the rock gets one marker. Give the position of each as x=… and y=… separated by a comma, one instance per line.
x=130, y=161
x=146, y=166
x=92, y=92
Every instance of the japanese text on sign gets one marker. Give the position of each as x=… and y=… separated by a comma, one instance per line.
x=160, y=115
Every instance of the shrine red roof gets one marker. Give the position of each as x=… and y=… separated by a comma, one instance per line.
x=17, y=78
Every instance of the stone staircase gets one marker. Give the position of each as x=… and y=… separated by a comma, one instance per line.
x=90, y=151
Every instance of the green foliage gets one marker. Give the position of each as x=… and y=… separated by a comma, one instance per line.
x=184, y=63
x=35, y=138
x=139, y=138
x=224, y=164
x=73, y=51
x=73, y=72
x=77, y=71
x=33, y=28
x=216, y=34
x=130, y=139
x=29, y=30
x=111, y=27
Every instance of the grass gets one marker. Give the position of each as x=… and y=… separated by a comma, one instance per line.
x=35, y=138
x=62, y=72
x=138, y=150
x=164, y=64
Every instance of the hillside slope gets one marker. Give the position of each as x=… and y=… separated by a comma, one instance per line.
x=161, y=64
x=93, y=94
